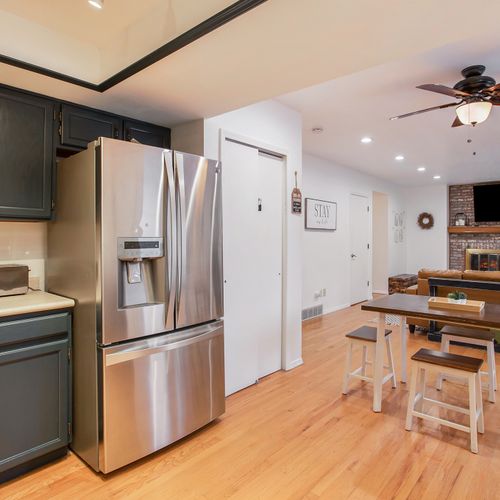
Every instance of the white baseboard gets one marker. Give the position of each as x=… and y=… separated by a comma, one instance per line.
x=336, y=308
x=383, y=292
x=294, y=364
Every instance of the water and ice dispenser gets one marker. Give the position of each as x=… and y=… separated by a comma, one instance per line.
x=137, y=261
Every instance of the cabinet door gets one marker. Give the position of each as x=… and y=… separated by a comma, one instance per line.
x=146, y=133
x=79, y=126
x=34, y=400
x=26, y=155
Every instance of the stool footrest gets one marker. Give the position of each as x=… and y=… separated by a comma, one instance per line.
x=441, y=421
x=448, y=406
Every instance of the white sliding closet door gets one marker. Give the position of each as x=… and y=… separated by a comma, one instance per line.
x=252, y=185
x=270, y=227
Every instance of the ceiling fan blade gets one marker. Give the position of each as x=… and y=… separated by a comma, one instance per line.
x=443, y=89
x=424, y=110
x=456, y=122
x=492, y=89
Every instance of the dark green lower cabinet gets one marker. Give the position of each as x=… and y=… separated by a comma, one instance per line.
x=34, y=392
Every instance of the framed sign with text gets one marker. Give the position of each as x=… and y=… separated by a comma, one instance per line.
x=321, y=214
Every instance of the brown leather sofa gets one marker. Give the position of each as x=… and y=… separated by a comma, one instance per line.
x=422, y=288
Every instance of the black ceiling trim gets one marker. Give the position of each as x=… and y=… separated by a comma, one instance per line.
x=212, y=23
x=48, y=72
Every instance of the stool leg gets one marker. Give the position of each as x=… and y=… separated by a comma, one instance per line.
x=348, y=363
x=411, y=397
x=371, y=352
x=445, y=347
x=473, y=412
x=421, y=389
x=363, y=362
x=491, y=372
x=494, y=368
x=479, y=398
x=390, y=359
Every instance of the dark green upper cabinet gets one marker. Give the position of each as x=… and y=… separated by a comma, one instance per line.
x=26, y=155
x=35, y=129
x=146, y=133
x=79, y=126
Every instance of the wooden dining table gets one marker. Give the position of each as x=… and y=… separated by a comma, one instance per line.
x=417, y=306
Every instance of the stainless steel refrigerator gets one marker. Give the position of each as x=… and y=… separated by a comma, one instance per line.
x=137, y=242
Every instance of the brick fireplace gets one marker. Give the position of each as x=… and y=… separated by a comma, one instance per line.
x=461, y=200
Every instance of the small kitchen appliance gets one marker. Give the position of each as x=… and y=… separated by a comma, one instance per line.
x=13, y=279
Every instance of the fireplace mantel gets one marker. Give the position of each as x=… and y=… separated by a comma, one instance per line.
x=474, y=229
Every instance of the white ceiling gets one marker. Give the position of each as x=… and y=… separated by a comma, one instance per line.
x=74, y=38
x=77, y=19
x=278, y=47
x=360, y=104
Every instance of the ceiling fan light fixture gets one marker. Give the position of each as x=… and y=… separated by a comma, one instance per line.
x=474, y=112
x=98, y=4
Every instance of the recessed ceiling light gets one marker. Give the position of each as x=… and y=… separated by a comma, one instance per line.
x=366, y=140
x=437, y=177
x=399, y=158
x=317, y=130
x=98, y=4
x=421, y=169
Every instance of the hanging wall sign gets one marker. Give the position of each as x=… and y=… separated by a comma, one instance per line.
x=321, y=214
x=296, y=198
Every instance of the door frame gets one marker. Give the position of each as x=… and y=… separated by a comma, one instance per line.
x=374, y=250
x=283, y=153
x=369, y=271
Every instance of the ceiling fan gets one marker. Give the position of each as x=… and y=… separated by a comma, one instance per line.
x=476, y=95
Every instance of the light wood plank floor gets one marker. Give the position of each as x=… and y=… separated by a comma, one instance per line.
x=295, y=436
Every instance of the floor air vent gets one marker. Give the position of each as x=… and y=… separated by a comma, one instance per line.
x=311, y=312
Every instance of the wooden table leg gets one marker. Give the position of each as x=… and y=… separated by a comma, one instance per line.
x=404, y=350
x=378, y=364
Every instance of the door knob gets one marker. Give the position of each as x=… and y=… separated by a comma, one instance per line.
x=353, y=256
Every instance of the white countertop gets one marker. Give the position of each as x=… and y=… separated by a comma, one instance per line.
x=33, y=301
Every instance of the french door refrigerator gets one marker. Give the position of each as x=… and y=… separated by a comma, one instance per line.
x=137, y=242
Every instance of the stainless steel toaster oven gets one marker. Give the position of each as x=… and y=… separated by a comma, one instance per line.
x=13, y=279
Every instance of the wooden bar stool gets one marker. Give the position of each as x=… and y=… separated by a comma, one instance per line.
x=427, y=360
x=366, y=337
x=472, y=336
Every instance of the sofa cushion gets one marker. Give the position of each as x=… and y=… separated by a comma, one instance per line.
x=482, y=275
x=440, y=273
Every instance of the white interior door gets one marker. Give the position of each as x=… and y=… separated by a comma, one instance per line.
x=360, y=238
x=252, y=211
x=269, y=257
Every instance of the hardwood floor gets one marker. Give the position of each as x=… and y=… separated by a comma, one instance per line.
x=295, y=436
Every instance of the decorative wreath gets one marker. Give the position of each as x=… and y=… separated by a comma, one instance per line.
x=425, y=220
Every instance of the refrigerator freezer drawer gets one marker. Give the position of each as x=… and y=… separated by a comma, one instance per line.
x=159, y=390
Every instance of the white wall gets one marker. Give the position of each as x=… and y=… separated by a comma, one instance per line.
x=427, y=247
x=326, y=262
x=189, y=137
x=278, y=126
x=380, y=244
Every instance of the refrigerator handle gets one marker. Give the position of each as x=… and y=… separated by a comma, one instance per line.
x=171, y=251
x=126, y=353
x=181, y=227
